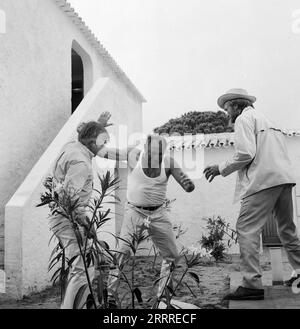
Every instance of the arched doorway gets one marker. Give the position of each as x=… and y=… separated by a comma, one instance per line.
x=77, y=80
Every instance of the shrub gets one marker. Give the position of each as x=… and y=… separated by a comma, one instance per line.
x=197, y=123
x=220, y=237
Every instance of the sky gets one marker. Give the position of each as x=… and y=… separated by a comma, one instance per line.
x=183, y=54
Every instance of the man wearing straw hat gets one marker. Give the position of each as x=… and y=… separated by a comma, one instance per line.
x=264, y=186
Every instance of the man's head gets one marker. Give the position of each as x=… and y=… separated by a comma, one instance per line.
x=155, y=147
x=93, y=135
x=235, y=108
x=234, y=101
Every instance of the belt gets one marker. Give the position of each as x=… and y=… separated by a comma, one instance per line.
x=146, y=208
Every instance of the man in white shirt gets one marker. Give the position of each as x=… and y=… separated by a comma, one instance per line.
x=147, y=206
x=73, y=172
x=264, y=186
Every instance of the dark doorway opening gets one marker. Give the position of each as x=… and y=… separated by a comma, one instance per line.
x=77, y=80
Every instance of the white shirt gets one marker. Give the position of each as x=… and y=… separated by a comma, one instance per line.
x=73, y=169
x=261, y=156
x=146, y=191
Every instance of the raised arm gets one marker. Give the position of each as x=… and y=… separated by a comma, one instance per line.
x=115, y=154
x=182, y=179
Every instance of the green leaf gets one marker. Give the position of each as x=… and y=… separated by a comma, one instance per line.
x=138, y=295
x=191, y=291
x=158, y=280
x=56, y=275
x=104, y=245
x=170, y=289
x=194, y=276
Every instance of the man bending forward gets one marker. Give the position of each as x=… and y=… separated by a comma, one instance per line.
x=149, y=172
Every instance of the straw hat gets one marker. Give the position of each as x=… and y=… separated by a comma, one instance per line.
x=235, y=94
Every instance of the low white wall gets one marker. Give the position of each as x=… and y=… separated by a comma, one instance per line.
x=216, y=198
x=26, y=227
x=208, y=199
x=35, y=86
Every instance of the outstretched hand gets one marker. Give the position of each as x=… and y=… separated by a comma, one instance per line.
x=184, y=181
x=104, y=118
x=187, y=183
x=211, y=172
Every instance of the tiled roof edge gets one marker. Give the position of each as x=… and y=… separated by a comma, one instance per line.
x=219, y=140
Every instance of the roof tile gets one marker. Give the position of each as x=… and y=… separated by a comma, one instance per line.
x=222, y=140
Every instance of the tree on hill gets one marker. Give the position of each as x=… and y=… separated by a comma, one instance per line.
x=197, y=123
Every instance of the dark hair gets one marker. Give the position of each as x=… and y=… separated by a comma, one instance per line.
x=240, y=103
x=90, y=131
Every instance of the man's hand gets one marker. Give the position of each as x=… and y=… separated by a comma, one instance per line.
x=211, y=172
x=182, y=179
x=187, y=183
x=104, y=118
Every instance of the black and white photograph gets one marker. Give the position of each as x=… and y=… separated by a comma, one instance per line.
x=149, y=157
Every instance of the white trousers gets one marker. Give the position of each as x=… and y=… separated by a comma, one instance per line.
x=160, y=230
x=62, y=229
x=255, y=211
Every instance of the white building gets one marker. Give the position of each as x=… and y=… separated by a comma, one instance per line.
x=50, y=63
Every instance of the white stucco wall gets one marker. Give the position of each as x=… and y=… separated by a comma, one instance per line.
x=216, y=198
x=207, y=199
x=26, y=227
x=35, y=87
x=2, y=21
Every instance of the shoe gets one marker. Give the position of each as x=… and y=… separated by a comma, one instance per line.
x=290, y=282
x=243, y=293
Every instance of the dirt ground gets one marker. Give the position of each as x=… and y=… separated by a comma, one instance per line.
x=214, y=284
